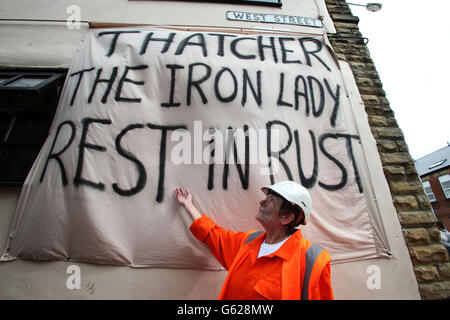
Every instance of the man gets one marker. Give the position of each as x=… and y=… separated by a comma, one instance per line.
x=445, y=235
x=276, y=264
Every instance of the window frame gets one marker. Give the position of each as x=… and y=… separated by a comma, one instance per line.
x=446, y=190
x=19, y=104
x=51, y=78
x=426, y=184
x=268, y=3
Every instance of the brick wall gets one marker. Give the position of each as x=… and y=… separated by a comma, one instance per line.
x=441, y=206
x=430, y=259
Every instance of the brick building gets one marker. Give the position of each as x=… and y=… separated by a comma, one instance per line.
x=430, y=259
x=416, y=241
x=434, y=171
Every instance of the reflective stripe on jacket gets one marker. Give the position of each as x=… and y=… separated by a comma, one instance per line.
x=305, y=270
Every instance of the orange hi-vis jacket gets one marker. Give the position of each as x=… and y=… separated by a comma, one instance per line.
x=298, y=270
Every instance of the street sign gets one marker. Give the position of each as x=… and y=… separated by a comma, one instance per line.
x=273, y=18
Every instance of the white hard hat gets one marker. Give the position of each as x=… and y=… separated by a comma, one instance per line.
x=294, y=193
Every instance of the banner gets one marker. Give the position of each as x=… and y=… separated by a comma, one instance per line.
x=146, y=110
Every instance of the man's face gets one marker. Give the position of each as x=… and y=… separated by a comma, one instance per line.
x=268, y=212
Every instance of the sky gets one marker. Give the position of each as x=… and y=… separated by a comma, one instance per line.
x=409, y=42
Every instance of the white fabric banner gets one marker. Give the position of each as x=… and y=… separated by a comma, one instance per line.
x=146, y=110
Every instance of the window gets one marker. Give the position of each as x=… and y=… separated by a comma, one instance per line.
x=445, y=184
x=273, y=3
x=27, y=81
x=428, y=191
x=28, y=101
x=276, y=3
x=437, y=164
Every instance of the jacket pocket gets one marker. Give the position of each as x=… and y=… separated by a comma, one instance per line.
x=269, y=288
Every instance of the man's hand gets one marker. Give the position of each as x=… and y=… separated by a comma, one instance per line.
x=184, y=198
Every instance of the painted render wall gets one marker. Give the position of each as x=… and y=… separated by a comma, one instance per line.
x=47, y=280
x=429, y=257
x=53, y=44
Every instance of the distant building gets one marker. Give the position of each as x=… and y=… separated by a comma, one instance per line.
x=39, y=43
x=434, y=171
